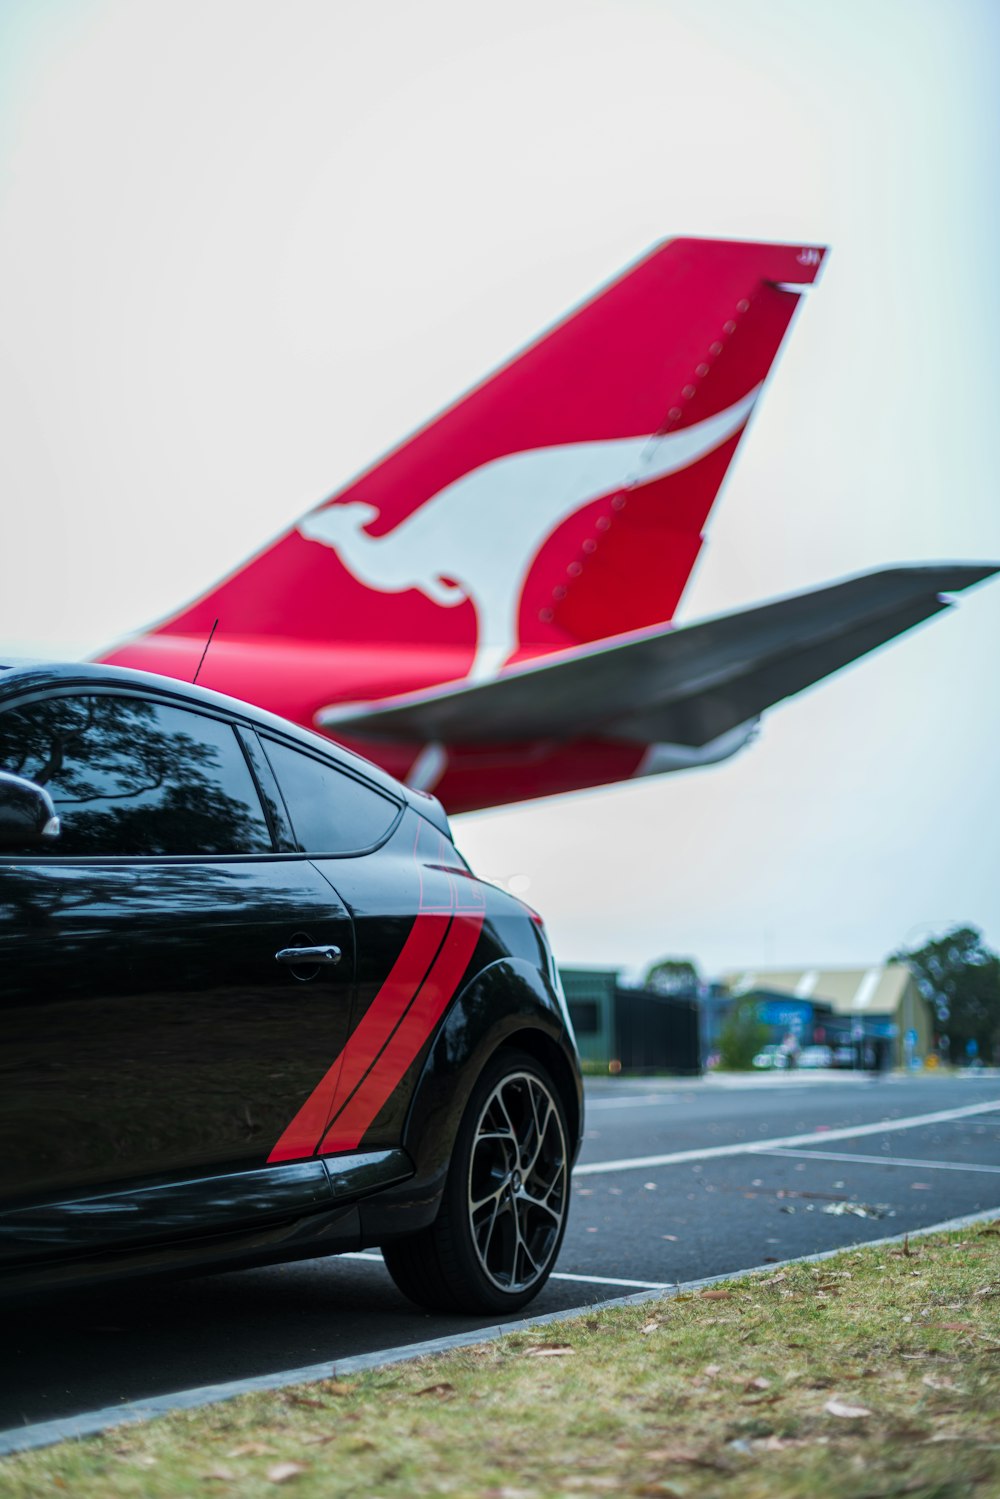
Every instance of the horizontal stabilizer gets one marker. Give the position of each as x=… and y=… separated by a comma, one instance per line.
x=684, y=686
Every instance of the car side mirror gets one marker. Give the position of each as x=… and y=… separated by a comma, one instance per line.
x=27, y=814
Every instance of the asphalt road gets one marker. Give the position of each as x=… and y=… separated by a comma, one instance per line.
x=635, y=1223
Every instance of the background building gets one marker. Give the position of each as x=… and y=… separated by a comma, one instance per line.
x=879, y=1010
x=631, y=1029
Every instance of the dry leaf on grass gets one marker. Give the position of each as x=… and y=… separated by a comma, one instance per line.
x=938, y=1382
x=282, y=1472
x=845, y=1411
x=549, y=1350
x=953, y=1326
x=649, y=1327
x=758, y=1383
x=250, y=1449
x=443, y=1391
x=680, y=1452
x=673, y=1455
x=220, y=1475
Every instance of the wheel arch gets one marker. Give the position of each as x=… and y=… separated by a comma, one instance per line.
x=542, y=1049
x=510, y=1003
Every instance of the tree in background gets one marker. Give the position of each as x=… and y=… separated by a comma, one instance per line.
x=960, y=976
x=742, y=1036
x=672, y=976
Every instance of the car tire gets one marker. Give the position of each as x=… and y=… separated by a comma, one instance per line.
x=503, y=1212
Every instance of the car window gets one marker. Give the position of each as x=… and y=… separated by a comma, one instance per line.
x=331, y=812
x=130, y=776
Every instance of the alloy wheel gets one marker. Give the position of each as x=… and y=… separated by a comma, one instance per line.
x=518, y=1182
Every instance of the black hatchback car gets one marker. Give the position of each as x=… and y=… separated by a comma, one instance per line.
x=256, y=1007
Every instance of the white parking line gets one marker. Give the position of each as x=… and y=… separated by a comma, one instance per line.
x=610, y=1280
x=755, y=1147
x=629, y=1103
x=880, y=1160
x=597, y=1280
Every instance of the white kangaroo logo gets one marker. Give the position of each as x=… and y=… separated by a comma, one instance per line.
x=478, y=537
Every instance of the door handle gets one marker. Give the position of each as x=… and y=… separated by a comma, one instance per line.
x=299, y=957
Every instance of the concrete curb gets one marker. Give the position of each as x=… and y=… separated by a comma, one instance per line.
x=90, y=1423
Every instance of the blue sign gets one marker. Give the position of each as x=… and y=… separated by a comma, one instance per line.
x=785, y=1014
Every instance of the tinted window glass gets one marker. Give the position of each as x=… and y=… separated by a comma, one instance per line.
x=135, y=777
x=331, y=812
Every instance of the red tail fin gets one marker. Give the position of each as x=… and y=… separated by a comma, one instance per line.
x=561, y=501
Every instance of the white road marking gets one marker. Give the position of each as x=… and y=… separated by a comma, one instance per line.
x=597, y=1280
x=89, y=1423
x=754, y=1147
x=881, y=1160
x=629, y=1103
x=608, y=1280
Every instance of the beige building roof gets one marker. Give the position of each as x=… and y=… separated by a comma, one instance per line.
x=851, y=991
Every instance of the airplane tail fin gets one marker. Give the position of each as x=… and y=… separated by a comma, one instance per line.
x=561, y=501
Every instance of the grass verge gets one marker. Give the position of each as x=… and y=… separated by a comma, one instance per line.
x=876, y=1373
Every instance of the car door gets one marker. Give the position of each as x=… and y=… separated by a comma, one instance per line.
x=149, y=1031
x=418, y=918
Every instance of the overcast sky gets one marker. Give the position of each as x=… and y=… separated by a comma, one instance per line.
x=244, y=247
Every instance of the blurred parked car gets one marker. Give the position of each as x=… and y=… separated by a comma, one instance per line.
x=816, y=1056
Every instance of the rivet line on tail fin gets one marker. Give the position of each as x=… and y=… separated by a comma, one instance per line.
x=619, y=500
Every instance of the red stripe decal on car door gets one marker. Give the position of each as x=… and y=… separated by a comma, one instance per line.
x=389, y=1005
x=415, y=1027
x=302, y=1136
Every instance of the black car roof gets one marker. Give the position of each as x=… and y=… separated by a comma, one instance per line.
x=17, y=676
